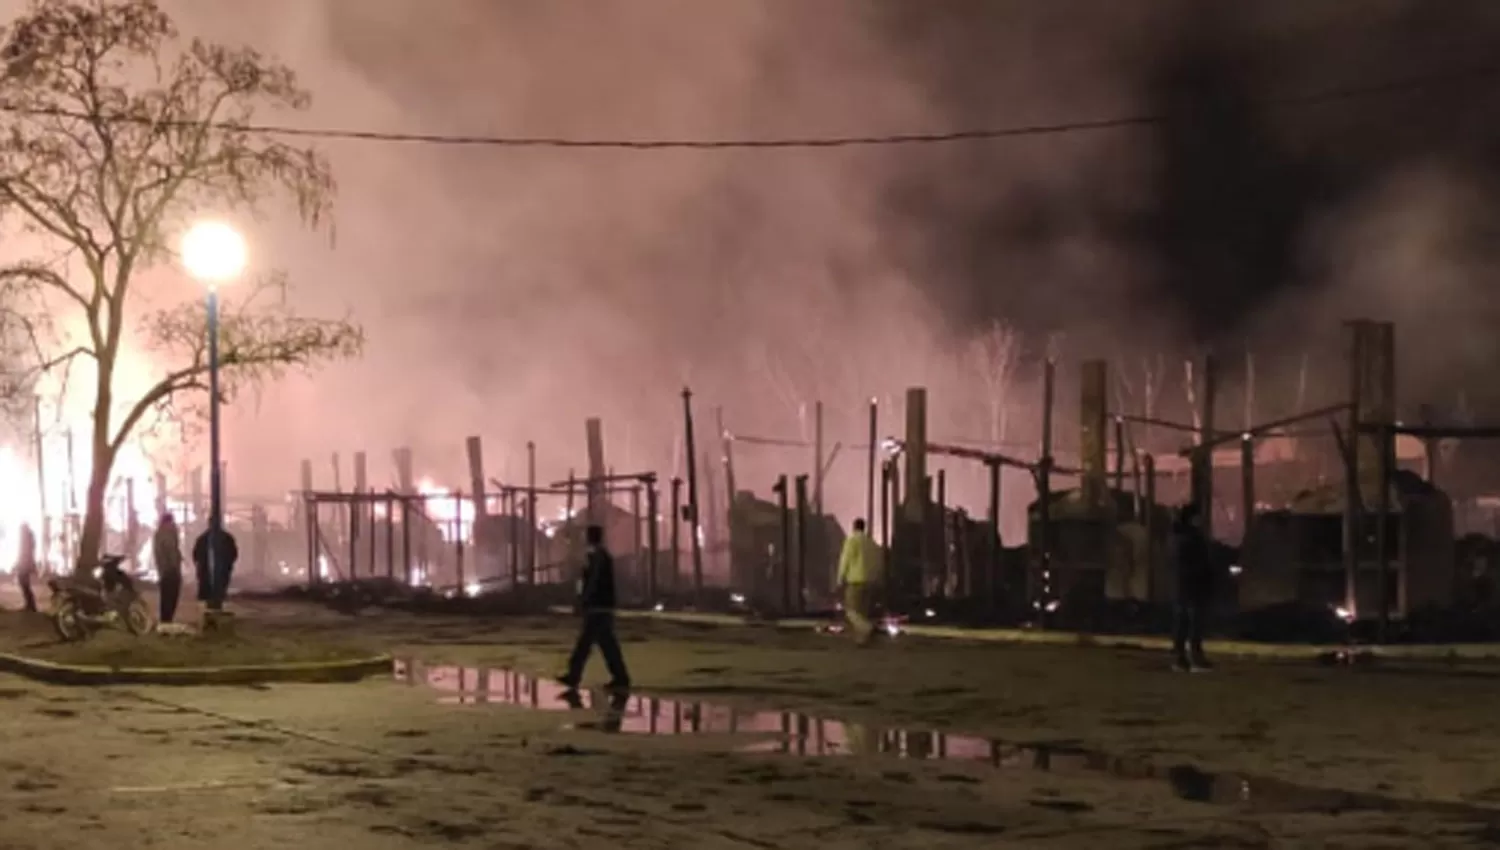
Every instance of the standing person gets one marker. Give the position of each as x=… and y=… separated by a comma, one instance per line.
x=26, y=565
x=859, y=577
x=1192, y=556
x=166, y=554
x=596, y=604
x=226, y=552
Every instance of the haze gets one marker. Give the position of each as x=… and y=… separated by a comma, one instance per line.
x=512, y=292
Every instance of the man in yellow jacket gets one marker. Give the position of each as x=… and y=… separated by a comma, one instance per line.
x=860, y=575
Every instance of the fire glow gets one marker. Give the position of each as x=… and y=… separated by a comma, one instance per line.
x=66, y=495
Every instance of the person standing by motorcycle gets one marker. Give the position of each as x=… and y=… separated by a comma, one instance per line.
x=26, y=565
x=225, y=552
x=166, y=554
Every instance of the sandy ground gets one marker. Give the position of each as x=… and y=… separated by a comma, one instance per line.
x=397, y=764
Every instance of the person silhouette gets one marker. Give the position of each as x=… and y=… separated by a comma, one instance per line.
x=596, y=605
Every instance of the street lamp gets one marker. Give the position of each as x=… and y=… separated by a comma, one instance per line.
x=214, y=253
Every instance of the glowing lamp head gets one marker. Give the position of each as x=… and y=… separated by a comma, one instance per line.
x=214, y=252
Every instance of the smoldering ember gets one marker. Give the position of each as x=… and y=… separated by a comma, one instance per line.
x=1035, y=424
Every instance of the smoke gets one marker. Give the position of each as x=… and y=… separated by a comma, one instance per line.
x=1239, y=219
x=512, y=292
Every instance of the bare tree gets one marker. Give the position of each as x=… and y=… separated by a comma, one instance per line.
x=119, y=134
x=995, y=355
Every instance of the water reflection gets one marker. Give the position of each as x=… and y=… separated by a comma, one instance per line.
x=786, y=732
x=792, y=733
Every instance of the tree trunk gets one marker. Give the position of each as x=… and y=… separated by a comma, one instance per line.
x=91, y=537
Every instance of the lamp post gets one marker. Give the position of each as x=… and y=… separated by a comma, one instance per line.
x=214, y=253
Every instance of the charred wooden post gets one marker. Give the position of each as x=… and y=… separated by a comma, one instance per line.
x=653, y=543
x=989, y=587
x=531, y=520
x=594, y=429
x=726, y=442
x=693, y=517
x=1092, y=436
x=915, y=454
x=676, y=534
x=945, y=559
x=1247, y=485
x=568, y=506
x=887, y=507
x=406, y=539
x=1358, y=332
x=343, y=509
x=406, y=481
x=800, y=548
x=366, y=510
x=709, y=527
x=511, y=513
x=1203, y=458
x=390, y=535
x=818, y=459
x=1042, y=566
x=306, y=513
x=871, y=463
x=1383, y=530
x=1382, y=412
x=638, y=537
x=911, y=576
x=1148, y=474
x=783, y=555
x=314, y=573
x=458, y=544
x=353, y=515
x=474, y=450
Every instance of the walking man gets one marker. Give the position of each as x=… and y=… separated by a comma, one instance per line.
x=596, y=604
x=166, y=554
x=859, y=578
x=1192, y=555
x=26, y=565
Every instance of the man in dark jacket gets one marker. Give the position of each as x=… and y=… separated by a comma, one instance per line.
x=1192, y=557
x=166, y=554
x=596, y=603
x=213, y=585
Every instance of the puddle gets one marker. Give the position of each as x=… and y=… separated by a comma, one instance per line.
x=797, y=734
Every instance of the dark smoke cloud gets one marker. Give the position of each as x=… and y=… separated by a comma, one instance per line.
x=1233, y=218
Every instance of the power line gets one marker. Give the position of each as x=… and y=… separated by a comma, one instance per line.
x=1330, y=96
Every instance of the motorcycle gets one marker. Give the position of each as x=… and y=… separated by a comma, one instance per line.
x=106, y=597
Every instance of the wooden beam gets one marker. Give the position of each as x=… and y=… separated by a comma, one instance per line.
x=474, y=449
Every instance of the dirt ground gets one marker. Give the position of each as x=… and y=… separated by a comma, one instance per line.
x=399, y=765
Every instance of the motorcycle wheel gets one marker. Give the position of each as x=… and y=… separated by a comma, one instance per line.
x=137, y=616
x=69, y=621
